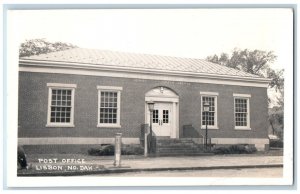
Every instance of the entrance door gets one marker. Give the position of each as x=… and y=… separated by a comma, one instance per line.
x=166, y=115
x=162, y=119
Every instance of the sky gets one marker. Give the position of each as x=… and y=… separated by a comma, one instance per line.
x=192, y=33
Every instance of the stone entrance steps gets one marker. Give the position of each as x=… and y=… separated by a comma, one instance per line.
x=177, y=147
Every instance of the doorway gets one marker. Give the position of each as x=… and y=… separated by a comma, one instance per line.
x=165, y=120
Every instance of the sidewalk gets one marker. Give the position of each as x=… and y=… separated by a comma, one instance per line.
x=104, y=164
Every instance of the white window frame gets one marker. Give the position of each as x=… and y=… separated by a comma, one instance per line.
x=246, y=97
x=215, y=96
x=62, y=86
x=110, y=89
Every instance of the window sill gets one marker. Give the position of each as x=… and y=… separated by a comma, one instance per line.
x=109, y=125
x=243, y=128
x=59, y=125
x=209, y=127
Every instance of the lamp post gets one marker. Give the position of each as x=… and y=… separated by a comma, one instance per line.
x=151, y=108
x=206, y=110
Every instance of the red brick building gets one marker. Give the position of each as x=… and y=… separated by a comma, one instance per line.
x=84, y=97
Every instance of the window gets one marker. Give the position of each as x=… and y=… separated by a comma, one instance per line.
x=155, y=116
x=61, y=105
x=241, y=111
x=165, y=116
x=109, y=106
x=209, y=117
x=160, y=116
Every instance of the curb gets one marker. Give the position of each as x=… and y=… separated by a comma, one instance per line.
x=124, y=170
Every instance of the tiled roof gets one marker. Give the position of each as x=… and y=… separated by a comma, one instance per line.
x=141, y=61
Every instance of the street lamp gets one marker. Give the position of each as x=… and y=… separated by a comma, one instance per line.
x=151, y=108
x=205, y=111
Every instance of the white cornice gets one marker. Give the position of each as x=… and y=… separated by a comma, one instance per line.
x=242, y=95
x=130, y=72
x=61, y=85
x=209, y=93
x=109, y=88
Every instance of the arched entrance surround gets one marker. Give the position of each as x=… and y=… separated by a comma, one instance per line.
x=165, y=120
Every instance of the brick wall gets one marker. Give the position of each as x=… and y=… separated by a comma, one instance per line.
x=33, y=104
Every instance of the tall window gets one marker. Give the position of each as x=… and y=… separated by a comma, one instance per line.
x=209, y=117
x=241, y=111
x=155, y=116
x=61, y=105
x=109, y=106
x=165, y=116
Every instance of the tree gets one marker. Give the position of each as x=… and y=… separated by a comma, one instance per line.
x=41, y=46
x=277, y=81
x=276, y=119
x=256, y=62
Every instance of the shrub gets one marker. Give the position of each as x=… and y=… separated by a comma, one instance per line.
x=103, y=150
x=22, y=161
x=221, y=150
x=109, y=150
x=250, y=149
x=133, y=150
x=276, y=143
x=235, y=149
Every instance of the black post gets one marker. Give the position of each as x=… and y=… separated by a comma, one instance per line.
x=151, y=118
x=206, y=132
x=150, y=142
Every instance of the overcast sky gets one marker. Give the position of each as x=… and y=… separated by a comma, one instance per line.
x=195, y=33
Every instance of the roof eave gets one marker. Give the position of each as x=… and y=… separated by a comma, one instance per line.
x=58, y=64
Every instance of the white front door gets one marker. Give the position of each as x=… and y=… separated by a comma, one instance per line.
x=162, y=119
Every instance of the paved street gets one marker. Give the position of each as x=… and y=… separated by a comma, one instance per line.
x=254, y=172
